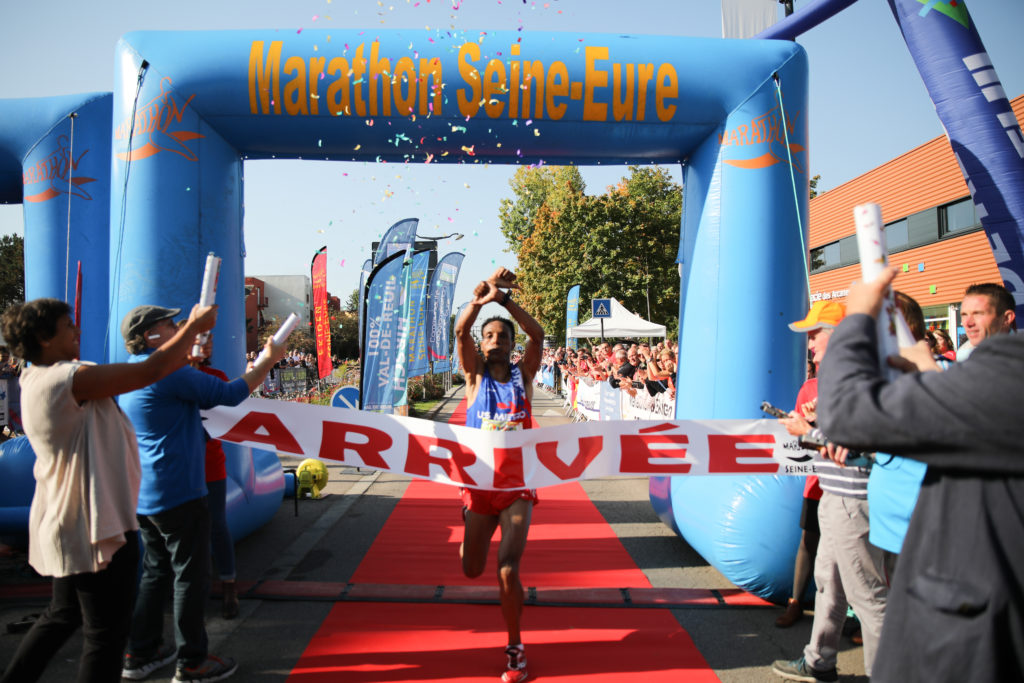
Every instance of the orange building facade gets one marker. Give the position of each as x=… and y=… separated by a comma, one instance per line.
x=932, y=231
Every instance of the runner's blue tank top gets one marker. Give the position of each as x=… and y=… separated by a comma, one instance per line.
x=500, y=407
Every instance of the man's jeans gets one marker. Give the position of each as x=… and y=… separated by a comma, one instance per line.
x=177, y=548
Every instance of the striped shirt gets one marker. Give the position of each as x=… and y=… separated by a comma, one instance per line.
x=851, y=482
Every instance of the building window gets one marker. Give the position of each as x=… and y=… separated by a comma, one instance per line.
x=897, y=235
x=958, y=217
x=835, y=255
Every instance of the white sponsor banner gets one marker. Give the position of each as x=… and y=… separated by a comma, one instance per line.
x=747, y=18
x=531, y=458
x=588, y=398
x=643, y=406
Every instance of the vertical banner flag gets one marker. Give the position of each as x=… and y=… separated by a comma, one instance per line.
x=363, y=274
x=380, y=345
x=413, y=346
x=572, y=315
x=455, y=367
x=321, y=320
x=442, y=292
x=747, y=18
x=398, y=237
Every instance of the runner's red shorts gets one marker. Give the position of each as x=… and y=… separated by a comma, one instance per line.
x=493, y=502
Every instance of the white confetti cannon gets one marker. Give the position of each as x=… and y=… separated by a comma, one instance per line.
x=282, y=333
x=893, y=331
x=207, y=297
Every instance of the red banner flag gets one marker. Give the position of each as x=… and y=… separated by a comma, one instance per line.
x=321, y=321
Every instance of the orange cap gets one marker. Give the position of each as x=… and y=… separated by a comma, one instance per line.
x=823, y=314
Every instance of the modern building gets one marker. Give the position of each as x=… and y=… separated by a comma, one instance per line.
x=932, y=231
x=255, y=304
x=275, y=296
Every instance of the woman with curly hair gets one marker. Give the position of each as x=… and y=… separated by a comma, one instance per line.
x=82, y=525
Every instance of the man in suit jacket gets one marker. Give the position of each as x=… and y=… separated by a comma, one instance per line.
x=956, y=608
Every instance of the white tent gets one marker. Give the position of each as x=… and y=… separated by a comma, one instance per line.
x=621, y=324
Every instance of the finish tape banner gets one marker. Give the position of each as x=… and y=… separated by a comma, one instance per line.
x=531, y=458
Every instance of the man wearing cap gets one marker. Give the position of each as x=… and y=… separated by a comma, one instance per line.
x=173, y=517
x=848, y=570
x=818, y=325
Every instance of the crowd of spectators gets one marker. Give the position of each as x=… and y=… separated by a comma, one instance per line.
x=629, y=366
x=296, y=373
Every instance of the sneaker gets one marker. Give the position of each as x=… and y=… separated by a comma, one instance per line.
x=515, y=670
x=794, y=613
x=798, y=670
x=213, y=669
x=137, y=668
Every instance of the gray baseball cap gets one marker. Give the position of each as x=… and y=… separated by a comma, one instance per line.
x=141, y=318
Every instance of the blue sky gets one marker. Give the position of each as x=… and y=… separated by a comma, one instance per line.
x=867, y=105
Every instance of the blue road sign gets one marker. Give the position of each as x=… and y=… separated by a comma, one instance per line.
x=601, y=308
x=346, y=397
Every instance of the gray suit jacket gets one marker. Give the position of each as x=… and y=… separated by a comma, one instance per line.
x=956, y=609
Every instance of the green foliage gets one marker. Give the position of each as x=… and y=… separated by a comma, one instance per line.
x=12, y=270
x=352, y=303
x=619, y=244
x=426, y=388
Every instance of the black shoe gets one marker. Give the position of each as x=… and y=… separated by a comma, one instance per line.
x=213, y=669
x=138, y=668
x=798, y=670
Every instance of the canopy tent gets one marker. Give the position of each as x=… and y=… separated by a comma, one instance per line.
x=622, y=323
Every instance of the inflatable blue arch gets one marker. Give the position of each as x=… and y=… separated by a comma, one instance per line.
x=140, y=184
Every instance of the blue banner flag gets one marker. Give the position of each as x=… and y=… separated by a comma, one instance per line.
x=416, y=363
x=399, y=237
x=380, y=347
x=455, y=367
x=363, y=274
x=572, y=315
x=439, y=308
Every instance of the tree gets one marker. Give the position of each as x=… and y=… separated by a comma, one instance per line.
x=620, y=244
x=12, y=270
x=344, y=326
x=814, y=185
x=353, y=303
x=534, y=188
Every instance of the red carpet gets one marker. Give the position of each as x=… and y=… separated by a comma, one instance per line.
x=393, y=643
x=570, y=546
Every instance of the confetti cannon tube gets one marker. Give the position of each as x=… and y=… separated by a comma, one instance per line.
x=893, y=331
x=282, y=333
x=207, y=297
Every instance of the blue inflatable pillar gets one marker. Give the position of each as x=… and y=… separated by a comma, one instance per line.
x=742, y=258
x=62, y=148
x=187, y=208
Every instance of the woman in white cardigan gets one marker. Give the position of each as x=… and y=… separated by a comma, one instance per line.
x=82, y=526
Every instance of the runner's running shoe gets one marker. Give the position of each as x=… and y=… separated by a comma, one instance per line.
x=515, y=671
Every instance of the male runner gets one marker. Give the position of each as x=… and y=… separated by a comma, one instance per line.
x=498, y=397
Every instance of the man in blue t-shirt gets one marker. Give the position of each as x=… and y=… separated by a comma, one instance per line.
x=174, y=522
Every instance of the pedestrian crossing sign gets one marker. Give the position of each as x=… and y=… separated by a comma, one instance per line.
x=601, y=308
